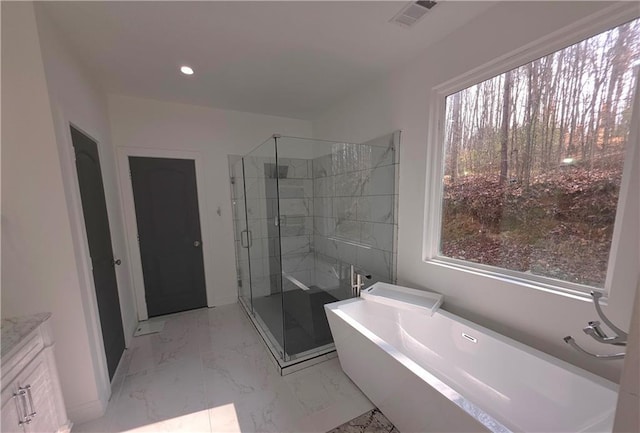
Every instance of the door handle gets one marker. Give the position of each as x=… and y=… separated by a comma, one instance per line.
x=117, y=262
x=196, y=244
x=242, y=234
x=249, y=238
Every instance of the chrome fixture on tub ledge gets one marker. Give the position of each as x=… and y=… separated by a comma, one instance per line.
x=356, y=278
x=595, y=331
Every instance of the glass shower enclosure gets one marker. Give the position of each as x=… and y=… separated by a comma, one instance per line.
x=305, y=211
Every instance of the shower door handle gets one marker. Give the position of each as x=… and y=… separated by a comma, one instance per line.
x=249, y=238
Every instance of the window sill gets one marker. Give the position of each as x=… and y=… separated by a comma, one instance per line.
x=569, y=290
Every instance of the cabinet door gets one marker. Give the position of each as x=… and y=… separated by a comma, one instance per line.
x=9, y=418
x=36, y=378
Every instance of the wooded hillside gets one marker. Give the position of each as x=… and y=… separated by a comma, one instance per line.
x=534, y=160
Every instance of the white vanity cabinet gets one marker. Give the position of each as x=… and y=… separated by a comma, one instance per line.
x=31, y=399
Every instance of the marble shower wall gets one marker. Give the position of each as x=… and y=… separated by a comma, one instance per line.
x=355, y=199
x=296, y=220
x=291, y=244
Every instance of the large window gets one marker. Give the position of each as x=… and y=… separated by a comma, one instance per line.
x=533, y=161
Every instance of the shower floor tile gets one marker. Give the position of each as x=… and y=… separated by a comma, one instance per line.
x=298, y=339
x=208, y=371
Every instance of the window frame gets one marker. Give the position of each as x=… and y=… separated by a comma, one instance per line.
x=608, y=18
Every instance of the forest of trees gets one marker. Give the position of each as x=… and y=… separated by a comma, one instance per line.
x=534, y=158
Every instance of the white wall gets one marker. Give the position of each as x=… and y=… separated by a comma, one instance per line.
x=627, y=417
x=211, y=134
x=39, y=264
x=76, y=99
x=402, y=101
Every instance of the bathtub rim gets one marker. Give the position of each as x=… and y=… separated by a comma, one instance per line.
x=468, y=406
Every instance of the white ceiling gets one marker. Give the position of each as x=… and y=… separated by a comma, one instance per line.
x=290, y=59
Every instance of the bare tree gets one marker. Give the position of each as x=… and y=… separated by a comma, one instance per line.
x=504, y=138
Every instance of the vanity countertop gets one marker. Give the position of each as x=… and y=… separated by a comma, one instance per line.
x=14, y=329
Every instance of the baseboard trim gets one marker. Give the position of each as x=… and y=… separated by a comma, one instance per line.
x=87, y=411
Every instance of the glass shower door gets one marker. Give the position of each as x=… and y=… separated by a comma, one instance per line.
x=240, y=232
x=263, y=234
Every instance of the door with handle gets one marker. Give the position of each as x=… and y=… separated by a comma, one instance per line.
x=96, y=219
x=243, y=265
x=262, y=240
x=167, y=214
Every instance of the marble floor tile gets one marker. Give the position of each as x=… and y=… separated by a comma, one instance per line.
x=180, y=340
x=323, y=386
x=273, y=410
x=159, y=394
x=231, y=372
x=208, y=371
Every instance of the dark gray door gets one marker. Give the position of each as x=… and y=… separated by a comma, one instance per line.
x=166, y=202
x=96, y=220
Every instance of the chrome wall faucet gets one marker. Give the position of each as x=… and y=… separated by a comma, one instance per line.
x=595, y=331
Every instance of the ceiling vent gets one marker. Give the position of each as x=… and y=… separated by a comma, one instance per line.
x=412, y=13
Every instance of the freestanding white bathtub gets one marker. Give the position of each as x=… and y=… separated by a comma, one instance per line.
x=442, y=373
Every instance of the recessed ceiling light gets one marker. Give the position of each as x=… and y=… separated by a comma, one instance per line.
x=186, y=70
